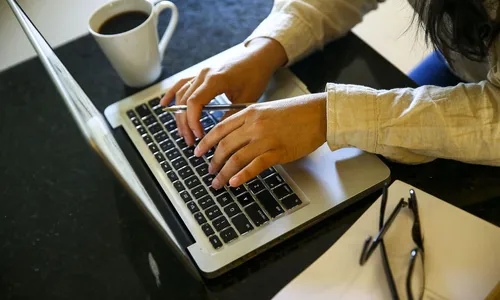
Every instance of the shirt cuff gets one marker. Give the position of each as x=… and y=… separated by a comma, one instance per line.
x=352, y=114
x=287, y=29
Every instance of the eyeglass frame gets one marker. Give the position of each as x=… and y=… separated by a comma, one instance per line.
x=371, y=244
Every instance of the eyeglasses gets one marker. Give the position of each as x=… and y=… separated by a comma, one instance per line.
x=416, y=255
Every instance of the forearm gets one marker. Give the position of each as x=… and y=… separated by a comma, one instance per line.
x=417, y=125
x=268, y=53
x=302, y=26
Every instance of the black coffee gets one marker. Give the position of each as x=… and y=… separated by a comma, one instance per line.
x=123, y=22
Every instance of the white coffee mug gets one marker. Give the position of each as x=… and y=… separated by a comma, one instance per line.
x=136, y=54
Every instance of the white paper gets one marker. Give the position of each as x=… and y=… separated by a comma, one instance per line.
x=462, y=255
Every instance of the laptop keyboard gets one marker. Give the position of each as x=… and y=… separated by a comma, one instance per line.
x=223, y=214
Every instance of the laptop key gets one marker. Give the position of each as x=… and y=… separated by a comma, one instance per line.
x=182, y=144
x=196, y=161
x=282, y=191
x=149, y=120
x=171, y=175
x=154, y=103
x=274, y=180
x=186, y=172
x=199, y=192
x=175, y=135
x=224, y=199
x=141, y=130
x=207, y=229
x=228, y=235
x=267, y=172
x=210, y=153
x=220, y=223
x=159, y=110
x=291, y=201
x=213, y=212
x=208, y=179
x=270, y=204
x=155, y=128
x=191, y=182
x=166, y=167
x=185, y=196
x=256, y=186
x=167, y=145
x=215, y=241
x=256, y=214
x=179, y=186
x=242, y=224
x=159, y=157
x=245, y=199
x=153, y=148
x=171, y=126
x=189, y=151
x=173, y=154
x=143, y=110
x=161, y=136
x=131, y=114
x=147, y=139
x=179, y=163
x=231, y=210
x=205, y=202
x=200, y=218
x=136, y=122
x=217, y=192
x=238, y=190
x=207, y=122
x=166, y=118
x=193, y=208
x=202, y=170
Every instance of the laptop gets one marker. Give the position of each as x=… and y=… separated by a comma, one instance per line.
x=218, y=229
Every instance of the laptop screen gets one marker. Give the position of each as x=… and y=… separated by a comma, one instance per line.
x=93, y=126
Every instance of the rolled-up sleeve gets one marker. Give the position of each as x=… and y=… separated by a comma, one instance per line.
x=417, y=125
x=302, y=26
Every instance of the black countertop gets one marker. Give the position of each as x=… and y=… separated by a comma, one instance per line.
x=68, y=230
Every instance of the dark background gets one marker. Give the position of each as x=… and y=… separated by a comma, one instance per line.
x=69, y=231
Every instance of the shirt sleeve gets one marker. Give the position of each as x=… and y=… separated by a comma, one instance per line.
x=302, y=26
x=419, y=125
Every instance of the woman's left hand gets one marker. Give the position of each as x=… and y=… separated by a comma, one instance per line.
x=264, y=135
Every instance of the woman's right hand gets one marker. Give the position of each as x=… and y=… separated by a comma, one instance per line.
x=243, y=79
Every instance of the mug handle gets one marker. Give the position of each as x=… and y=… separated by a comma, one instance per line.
x=158, y=8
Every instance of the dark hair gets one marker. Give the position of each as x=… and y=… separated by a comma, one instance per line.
x=462, y=26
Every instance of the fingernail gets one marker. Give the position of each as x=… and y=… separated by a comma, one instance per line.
x=197, y=151
x=233, y=181
x=216, y=184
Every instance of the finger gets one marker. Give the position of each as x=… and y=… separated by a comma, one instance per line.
x=227, y=146
x=215, y=84
x=195, y=107
x=178, y=116
x=254, y=168
x=183, y=123
x=219, y=132
x=170, y=94
x=239, y=160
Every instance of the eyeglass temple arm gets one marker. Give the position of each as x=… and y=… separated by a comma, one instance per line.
x=370, y=245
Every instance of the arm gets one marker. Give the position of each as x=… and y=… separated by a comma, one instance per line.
x=418, y=125
x=302, y=26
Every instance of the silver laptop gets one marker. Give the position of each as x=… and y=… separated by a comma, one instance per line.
x=228, y=226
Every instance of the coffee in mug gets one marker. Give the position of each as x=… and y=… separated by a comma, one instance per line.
x=127, y=33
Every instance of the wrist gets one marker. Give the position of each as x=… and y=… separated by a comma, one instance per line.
x=268, y=53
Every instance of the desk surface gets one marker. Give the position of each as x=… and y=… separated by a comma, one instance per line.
x=67, y=228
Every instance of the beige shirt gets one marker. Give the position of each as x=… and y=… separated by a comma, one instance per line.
x=407, y=125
